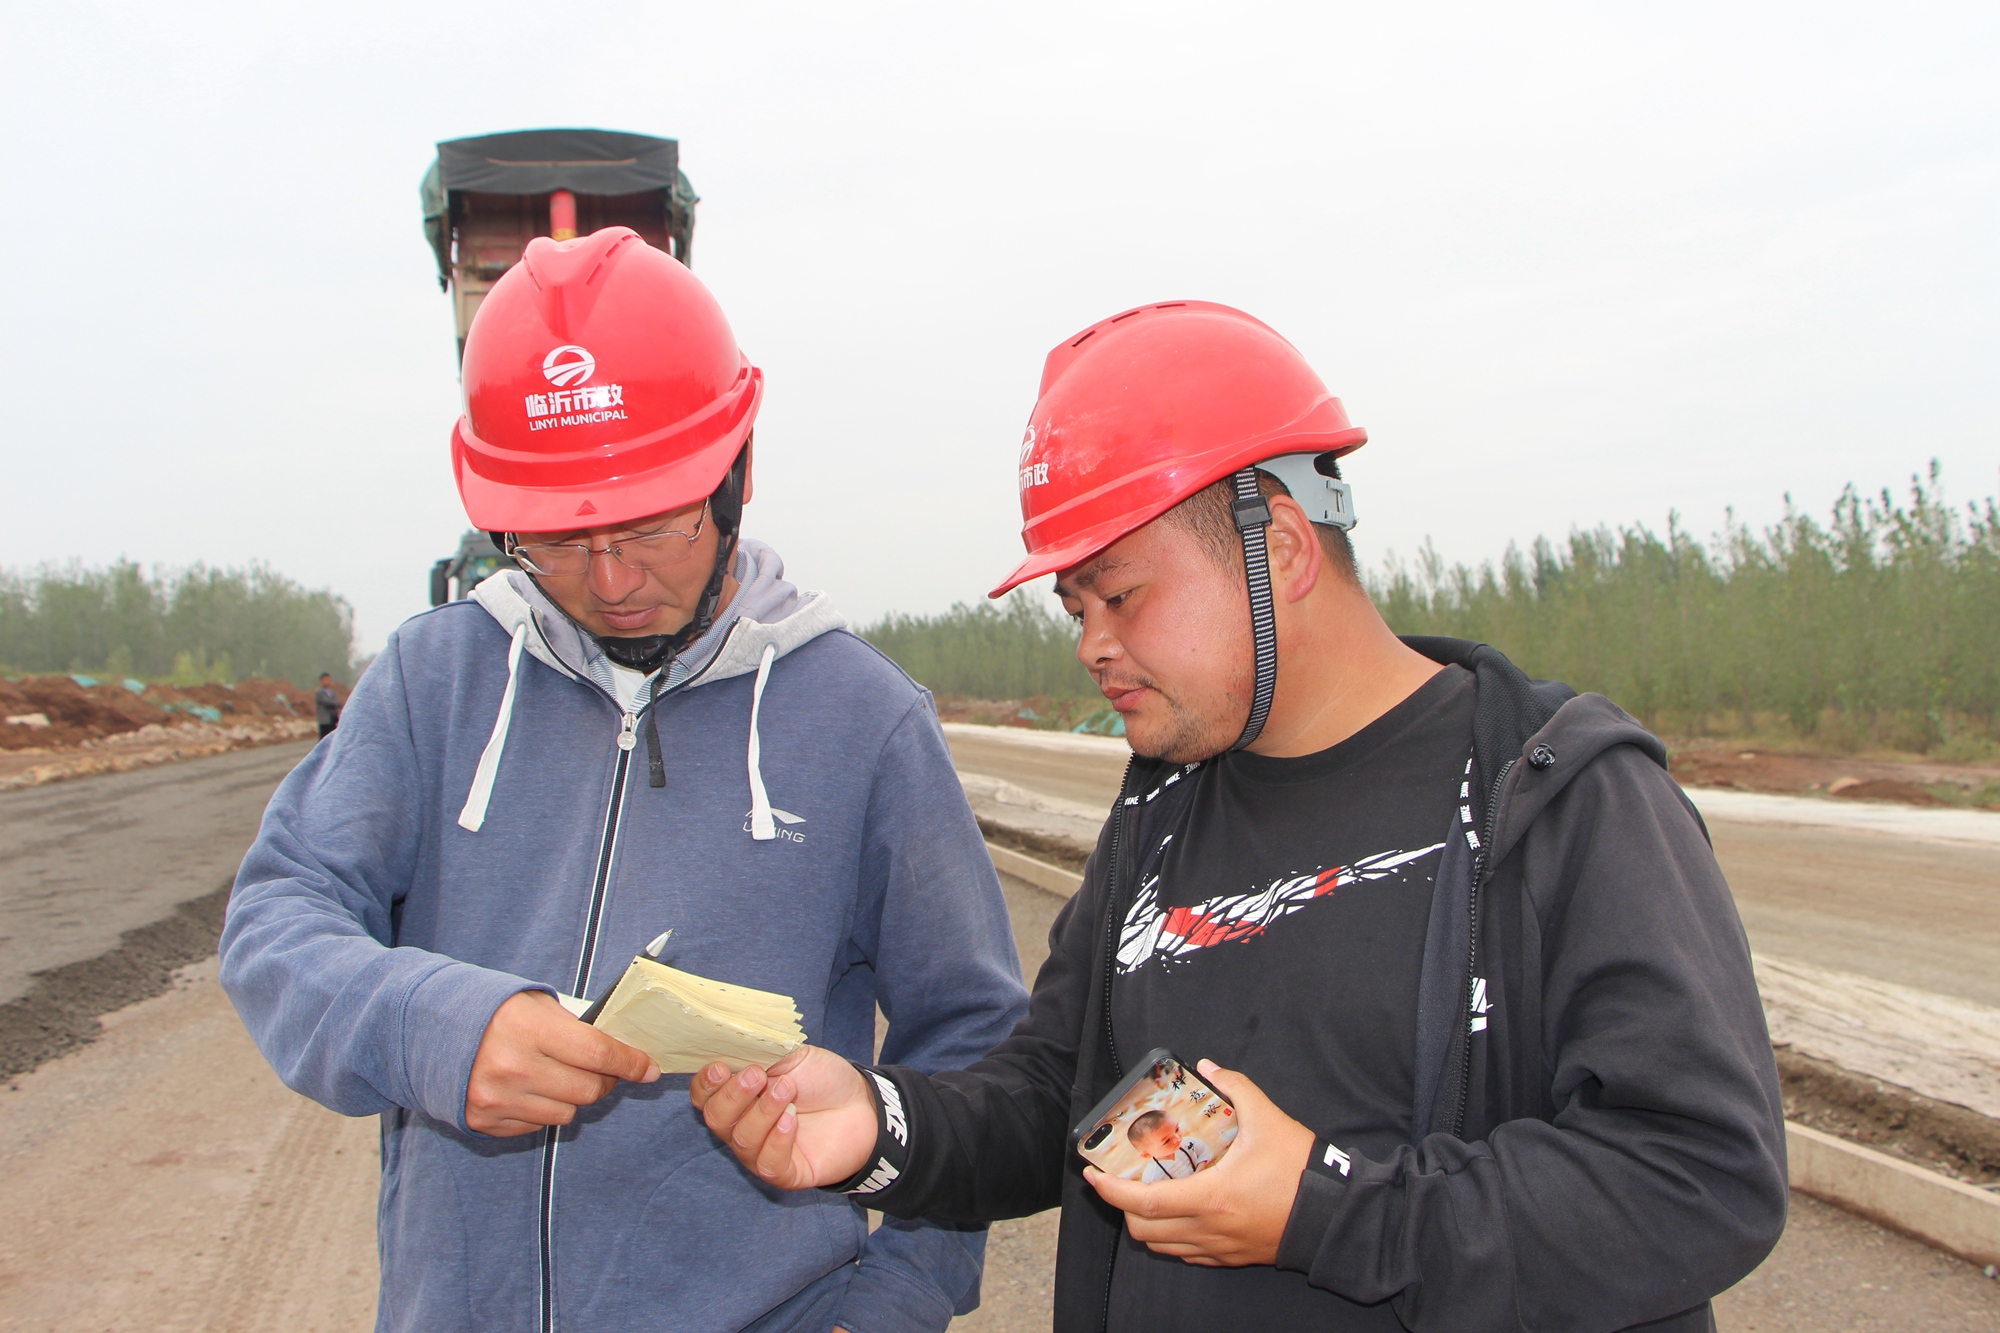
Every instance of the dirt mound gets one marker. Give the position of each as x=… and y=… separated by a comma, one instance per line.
x=1882, y=789
x=1712, y=763
x=68, y=711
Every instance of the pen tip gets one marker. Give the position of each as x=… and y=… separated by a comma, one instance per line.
x=659, y=943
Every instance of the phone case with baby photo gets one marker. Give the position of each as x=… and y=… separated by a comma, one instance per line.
x=1161, y=1122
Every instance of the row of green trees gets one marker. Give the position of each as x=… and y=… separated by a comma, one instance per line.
x=1879, y=626
x=187, y=625
x=1019, y=648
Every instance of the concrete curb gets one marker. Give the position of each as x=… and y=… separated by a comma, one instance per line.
x=1935, y=1209
x=1054, y=879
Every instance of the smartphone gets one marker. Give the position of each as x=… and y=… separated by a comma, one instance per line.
x=1160, y=1123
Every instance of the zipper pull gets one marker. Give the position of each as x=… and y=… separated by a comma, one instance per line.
x=628, y=731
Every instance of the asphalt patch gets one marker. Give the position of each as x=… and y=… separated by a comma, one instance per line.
x=60, y=1011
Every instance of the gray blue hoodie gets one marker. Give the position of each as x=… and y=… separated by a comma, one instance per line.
x=482, y=824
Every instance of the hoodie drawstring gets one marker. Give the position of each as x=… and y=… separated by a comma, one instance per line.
x=474, y=813
x=656, y=768
x=762, y=827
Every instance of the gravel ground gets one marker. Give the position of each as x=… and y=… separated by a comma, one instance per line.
x=83, y=861
x=161, y=1178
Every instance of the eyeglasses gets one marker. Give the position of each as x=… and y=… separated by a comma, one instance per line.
x=642, y=551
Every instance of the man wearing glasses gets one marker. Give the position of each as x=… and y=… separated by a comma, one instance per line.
x=642, y=727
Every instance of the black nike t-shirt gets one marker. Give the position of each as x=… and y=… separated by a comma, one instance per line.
x=1278, y=930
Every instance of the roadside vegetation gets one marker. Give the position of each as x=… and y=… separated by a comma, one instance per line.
x=1878, y=629
x=1021, y=647
x=184, y=627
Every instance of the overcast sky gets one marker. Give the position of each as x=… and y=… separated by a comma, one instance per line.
x=1569, y=264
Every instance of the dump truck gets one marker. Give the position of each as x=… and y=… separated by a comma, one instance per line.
x=485, y=198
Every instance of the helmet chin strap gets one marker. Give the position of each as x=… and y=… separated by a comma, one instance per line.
x=1253, y=514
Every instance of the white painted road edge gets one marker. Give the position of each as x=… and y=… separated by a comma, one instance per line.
x=1981, y=827
x=1935, y=1209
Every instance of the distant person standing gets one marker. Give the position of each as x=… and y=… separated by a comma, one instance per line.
x=327, y=703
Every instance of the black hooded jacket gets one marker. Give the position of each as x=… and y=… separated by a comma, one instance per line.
x=1606, y=1153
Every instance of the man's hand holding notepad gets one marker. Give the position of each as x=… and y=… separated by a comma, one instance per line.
x=685, y=1022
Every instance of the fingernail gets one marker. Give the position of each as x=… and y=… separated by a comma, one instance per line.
x=781, y=1090
x=652, y=1074
x=1206, y=1066
x=748, y=1078
x=716, y=1073
x=787, y=1120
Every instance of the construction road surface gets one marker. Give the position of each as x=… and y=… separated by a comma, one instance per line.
x=84, y=860
x=1918, y=911
x=162, y=1179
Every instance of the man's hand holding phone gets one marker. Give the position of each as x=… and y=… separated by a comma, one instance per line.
x=1234, y=1213
x=808, y=1120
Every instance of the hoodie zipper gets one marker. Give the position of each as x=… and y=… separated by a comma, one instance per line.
x=1110, y=971
x=1472, y=945
x=628, y=737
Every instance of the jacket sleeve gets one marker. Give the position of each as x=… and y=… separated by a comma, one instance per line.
x=989, y=1141
x=948, y=979
x=346, y=1019
x=1659, y=1178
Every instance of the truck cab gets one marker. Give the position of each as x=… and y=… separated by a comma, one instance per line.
x=454, y=577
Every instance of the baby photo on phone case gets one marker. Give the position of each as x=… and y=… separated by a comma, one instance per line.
x=1169, y=1126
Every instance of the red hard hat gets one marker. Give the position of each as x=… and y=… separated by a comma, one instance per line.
x=602, y=384
x=1140, y=411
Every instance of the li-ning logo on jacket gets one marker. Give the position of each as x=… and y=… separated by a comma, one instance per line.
x=784, y=819
x=575, y=402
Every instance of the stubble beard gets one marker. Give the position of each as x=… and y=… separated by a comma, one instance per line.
x=1185, y=736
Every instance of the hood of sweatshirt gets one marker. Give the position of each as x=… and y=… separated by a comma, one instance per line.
x=768, y=611
x=1581, y=730
x=766, y=619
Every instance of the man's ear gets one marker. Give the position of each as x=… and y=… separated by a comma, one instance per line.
x=749, y=465
x=1293, y=550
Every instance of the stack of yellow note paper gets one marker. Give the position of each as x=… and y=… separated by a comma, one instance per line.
x=686, y=1022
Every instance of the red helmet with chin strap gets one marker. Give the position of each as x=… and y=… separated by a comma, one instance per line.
x=1142, y=410
x=602, y=384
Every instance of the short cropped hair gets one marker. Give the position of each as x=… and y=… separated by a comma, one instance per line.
x=1144, y=1125
x=1206, y=517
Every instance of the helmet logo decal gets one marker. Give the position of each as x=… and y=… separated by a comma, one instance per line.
x=1032, y=474
x=576, y=369
x=575, y=402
